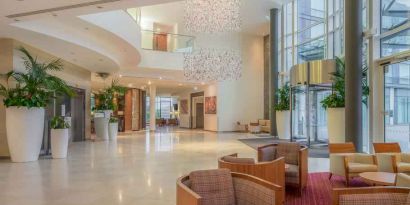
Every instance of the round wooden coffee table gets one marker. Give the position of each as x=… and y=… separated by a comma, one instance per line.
x=379, y=178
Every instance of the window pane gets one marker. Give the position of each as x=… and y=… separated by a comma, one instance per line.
x=394, y=13
x=396, y=43
x=314, y=32
x=309, y=13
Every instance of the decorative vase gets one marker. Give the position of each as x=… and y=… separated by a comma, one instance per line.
x=113, y=130
x=25, y=128
x=101, y=124
x=283, y=124
x=336, y=125
x=59, y=143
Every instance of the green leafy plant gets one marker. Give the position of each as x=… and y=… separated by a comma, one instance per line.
x=35, y=87
x=283, y=98
x=58, y=122
x=337, y=98
x=113, y=120
x=106, y=96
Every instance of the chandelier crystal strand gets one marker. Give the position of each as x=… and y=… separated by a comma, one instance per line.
x=212, y=65
x=212, y=16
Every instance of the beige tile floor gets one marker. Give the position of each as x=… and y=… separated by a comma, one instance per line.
x=140, y=168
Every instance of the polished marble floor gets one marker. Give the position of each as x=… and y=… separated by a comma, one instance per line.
x=140, y=168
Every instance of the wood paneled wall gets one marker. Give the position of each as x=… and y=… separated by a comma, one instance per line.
x=133, y=110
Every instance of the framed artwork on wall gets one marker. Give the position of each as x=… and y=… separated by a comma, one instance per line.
x=184, y=107
x=210, y=105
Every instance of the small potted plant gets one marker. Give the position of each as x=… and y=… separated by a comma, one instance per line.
x=113, y=128
x=282, y=112
x=59, y=137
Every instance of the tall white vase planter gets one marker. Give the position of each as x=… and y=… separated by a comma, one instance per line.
x=101, y=125
x=59, y=143
x=336, y=125
x=283, y=124
x=113, y=130
x=25, y=128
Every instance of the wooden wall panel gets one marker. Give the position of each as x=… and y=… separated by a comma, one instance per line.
x=128, y=110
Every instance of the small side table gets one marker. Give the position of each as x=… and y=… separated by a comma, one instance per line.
x=379, y=178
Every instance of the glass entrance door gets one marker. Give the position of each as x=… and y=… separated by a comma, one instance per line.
x=397, y=104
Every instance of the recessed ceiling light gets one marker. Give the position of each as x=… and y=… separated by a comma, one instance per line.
x=202, y=83
x=16, y=20
x=120, y=75
x=160, y=78
x=149, y=82
x=130, y=85
x=99, y=7
x=180, y=84
x=195, y=88
x=54, y=14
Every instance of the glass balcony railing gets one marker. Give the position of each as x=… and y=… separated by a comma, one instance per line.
x=161, y=41
x=168, y=42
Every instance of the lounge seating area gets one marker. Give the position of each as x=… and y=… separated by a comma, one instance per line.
x=280, y=175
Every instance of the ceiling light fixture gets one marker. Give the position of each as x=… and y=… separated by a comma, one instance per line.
x=212, y=16
x=149, y=82
x=212, y=65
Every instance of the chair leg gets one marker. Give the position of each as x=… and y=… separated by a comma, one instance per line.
x=330, y=176
x=347, y=181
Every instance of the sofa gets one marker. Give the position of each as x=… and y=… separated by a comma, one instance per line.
x=371, y=196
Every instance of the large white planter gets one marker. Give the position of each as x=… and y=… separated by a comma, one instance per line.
x=59, y=143
x=113, y=130
x=283, y=124
x=25, y=128
x=101, y=125
x=336, y=125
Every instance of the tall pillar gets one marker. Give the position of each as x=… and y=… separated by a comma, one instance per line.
x=353, y=83
x=274, y=64
x=6, y=65
x=152, y=108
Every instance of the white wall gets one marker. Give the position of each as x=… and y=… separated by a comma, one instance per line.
x=184, y=118
x=242, y=100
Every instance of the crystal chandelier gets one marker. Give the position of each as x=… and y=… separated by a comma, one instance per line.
x=212, y=16
x=212, y=65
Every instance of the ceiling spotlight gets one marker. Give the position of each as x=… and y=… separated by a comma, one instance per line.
x=149, y=83
x=160, y=78
x=120, y=75
x=180, y=84
x=130, y=85
x=202, y=83
x=195, y=88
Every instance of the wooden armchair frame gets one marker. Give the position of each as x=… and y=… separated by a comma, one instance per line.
x=367, y=190
x=273, y=171
x=185, y=196
x=391, y=147
x=302, y=163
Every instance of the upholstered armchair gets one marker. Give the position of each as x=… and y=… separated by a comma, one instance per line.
x=391, y=159
x=265, y=125
x=344, y=161
x=371, y=195
x=271, y=171
x=296, y=161
x=403, y=180
x=220, y=186
x=254, y=127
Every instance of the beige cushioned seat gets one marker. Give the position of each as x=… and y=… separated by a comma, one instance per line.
x=359, y=167
x=238, y=160
x=403, y=167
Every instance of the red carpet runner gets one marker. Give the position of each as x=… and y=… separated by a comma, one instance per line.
x=318, y=190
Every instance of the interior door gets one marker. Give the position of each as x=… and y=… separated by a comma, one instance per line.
x=397, y=104
x=199, y=115
x=160, y=42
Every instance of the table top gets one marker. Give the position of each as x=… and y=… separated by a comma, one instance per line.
x=379, y=178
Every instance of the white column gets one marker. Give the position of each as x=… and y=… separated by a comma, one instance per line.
x=152, y=108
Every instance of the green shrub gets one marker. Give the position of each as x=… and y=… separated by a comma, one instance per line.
x=34, y=88
x=113, y=119
x=57, y=122
x=283, y=98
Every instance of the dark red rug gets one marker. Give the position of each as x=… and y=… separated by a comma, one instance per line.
x=318, y=190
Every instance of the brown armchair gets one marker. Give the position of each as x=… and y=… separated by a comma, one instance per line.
x=271, y=171
x=371, y=195
x=208, y=187
x=344, y=161
x=391, y=159
x=296, y=160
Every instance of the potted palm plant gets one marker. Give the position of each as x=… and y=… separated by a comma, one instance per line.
x=25, y=101
x=335, y=102
x=113, y=128
x=59, y=137
x=106, y=106
x=282, y=112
